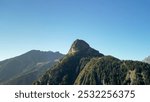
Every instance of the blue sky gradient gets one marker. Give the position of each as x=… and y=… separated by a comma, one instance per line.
x=114, y=27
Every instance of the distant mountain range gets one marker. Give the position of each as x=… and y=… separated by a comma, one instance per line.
x=84, y=65
x=24, y=69
x=147, y=59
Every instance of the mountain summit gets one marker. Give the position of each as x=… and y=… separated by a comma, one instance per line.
x=81, y=47
x=84, y=65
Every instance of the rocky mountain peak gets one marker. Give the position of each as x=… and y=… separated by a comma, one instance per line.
x=83, y=48
x=78, y=46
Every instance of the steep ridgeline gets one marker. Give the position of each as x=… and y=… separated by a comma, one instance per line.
x=85, y=66
x=26, y=68
x=67, y=70
x=147, y=60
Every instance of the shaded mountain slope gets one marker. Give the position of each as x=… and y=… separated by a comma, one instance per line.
x=25, y=68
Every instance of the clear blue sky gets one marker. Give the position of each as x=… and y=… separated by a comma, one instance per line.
x=114, y=27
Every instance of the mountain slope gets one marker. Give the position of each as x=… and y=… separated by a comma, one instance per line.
x=111, y=71
x=85, y=66
x=66, y=71
x=25, y=68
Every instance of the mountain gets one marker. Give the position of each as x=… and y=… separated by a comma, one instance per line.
x=84, y=65
x=147, y=59
x=26, y=68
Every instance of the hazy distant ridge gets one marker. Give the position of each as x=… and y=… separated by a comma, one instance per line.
x=26, y=68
